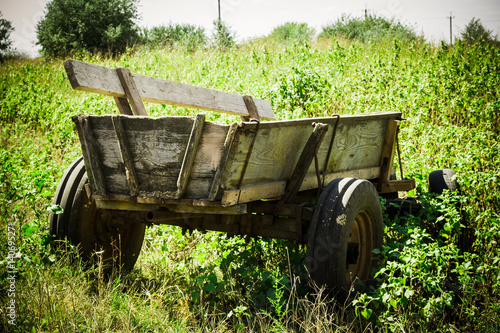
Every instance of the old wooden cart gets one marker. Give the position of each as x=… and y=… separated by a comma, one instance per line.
x=314, y=181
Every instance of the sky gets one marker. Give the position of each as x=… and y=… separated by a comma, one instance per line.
x=254, y=18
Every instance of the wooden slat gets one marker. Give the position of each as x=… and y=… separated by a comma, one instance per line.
x=393, y=186
x=387, y=157
x=123, y=106
x=176, y=208
x=279, y=144
x=294, y=183
x=130, y=172
x=214, y=189
x=311, y=182
x=253, y=193
x=277, y=189
x=90, y=155
x=191, y=149
x=252, y=109
x=131, y=91
x=103, y=80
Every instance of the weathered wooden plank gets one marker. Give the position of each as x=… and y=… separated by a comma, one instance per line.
x=253, y=112
x=130, y=173
x=252, y=193
x=102, y=80
x=176, y=208
x=277, y=189
x=131, y=91
x=393, y=186
x=310, y=182
x=123, y=106
x=191, y=149
x=214, y=189
x=157, y=147
x=90, y=155
x=294, y=183
x=277, y=148
x=387, y=154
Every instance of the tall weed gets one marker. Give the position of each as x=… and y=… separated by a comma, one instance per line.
x=440, y=269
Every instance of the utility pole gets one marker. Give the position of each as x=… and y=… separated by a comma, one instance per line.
x=451, y=17
x=219, y=9
x=366, y=11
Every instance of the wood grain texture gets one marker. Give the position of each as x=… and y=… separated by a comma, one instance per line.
x=103, y=80
x=157, y=148
x=91, y=156
x=123, y=106
x=299, y=173
x=121, y=138
x=128, y=84
x=387, y=154
x=278, y=146
x=253, y=112
x=189, y=155
x=277, y=189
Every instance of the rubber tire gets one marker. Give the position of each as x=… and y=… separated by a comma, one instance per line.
x=64, y=196
x=347, y=209
x=442, y=179
x=117, y=241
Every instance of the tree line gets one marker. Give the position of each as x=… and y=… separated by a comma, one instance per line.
x=110, y=26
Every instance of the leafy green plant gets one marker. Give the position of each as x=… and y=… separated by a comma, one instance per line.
x=75, y=26
x=475, y=32
x=6, y=29
x=440, y=268
x=292, y=32
x=174, y=35
x=222, y=36
x=371, y=28
x=301, y=91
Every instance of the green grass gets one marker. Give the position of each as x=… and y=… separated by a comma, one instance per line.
x=440, y=270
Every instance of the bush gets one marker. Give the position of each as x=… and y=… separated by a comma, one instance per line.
x=222, y=37
x=369, y=28
x=292, y=31
x=173, y=35
x=5, y=30
x=475, y=32
x=71, y=26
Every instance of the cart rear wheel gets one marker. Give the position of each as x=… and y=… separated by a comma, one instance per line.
x=347, y=226
x=110, y=234
x=442, y=179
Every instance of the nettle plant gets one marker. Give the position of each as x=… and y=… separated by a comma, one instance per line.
x=423, y=267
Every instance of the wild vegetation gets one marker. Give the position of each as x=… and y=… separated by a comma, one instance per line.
x=439, y=270
x=5, y=31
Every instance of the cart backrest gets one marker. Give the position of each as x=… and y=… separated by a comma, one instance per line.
x=122, y=85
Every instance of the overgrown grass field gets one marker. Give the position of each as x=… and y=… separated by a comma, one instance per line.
x=440, y=269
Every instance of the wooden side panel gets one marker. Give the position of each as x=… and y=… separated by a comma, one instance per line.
x=103, y=80
x=357, y=145
x=157, y=147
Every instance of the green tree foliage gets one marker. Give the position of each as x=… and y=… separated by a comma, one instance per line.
x=223, y=37
x=5, y=41
x=173, y=35
x=475, y=32
x=292, y=31
x=371, y=27
x=70, y=26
